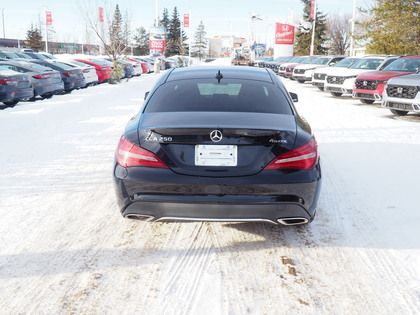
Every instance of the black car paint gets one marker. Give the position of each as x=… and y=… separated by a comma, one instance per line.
x=217, y=192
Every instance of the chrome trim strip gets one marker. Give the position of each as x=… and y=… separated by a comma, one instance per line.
x=215, y=220
x=141, y=217
x=298, y=158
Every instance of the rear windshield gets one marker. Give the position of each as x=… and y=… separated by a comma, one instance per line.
x=38, y=67
x=63, y=65
x=228, y=96
x=100, y=62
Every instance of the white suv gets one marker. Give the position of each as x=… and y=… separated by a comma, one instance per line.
x=341, y=80
x=319, y=75
x=402, y=94
x=304, y=71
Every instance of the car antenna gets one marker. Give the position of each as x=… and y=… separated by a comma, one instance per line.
x=219, y=76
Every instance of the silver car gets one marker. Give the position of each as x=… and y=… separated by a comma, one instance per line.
x=46, y=81
x=14, y=87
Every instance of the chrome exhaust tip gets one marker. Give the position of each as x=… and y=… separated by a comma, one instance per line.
x=140, y=217
x=293, y=221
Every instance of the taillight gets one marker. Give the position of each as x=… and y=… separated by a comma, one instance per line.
x=128, y=154
x=69, y=74
x=8, y=82
x=41, y=76
x=304, y=157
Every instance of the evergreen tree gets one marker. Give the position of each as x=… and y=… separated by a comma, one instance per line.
x=394, y=27
x=116, y=35
x=165, y=23
x=200, y=44
x=141, y=39
x=116, y=45
x=175, y=41
x=303, y=40
x=34, y=39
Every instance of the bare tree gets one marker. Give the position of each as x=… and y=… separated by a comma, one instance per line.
x=109, y=31
x=338, y=32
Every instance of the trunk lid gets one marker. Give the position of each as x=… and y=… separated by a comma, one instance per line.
x=247, y=142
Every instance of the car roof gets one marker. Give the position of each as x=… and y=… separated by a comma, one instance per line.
x=227, y=72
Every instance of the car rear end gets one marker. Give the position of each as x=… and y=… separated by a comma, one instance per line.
x=71, y=75
x=225, y=151
x=103, y=68
x=8, y=85
x=46, y=81
x=88, y=71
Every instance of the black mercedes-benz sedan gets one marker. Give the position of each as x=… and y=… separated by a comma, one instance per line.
x=218, y=144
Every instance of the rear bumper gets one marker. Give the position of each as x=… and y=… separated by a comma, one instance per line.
x=23, y=94
x=157, y=195
x=49, y=89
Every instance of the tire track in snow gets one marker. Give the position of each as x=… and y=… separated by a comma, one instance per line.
x=181, y=279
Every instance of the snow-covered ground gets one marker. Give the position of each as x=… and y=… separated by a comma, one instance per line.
x=65, y=249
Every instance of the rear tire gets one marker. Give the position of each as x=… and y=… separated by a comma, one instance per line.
x=47, y=96
x=398, y=112
x=337, y=94
x=320, y=88
x=10, y=103
x=367, y=101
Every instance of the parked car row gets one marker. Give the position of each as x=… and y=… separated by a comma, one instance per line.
x=28, y=75
x=392, y=80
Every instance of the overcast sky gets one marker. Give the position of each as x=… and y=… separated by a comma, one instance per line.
x=220, y=17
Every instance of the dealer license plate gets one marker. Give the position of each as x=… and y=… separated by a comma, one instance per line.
x=216, y=155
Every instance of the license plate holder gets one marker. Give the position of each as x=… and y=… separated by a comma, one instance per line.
x=216, y=155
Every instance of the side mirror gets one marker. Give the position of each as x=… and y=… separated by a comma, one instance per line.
x=146, y=94
x=294, y=97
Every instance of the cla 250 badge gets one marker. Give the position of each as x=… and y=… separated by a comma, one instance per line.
x=158, y=139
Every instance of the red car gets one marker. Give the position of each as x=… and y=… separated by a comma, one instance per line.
x=289, y=70
x=369, y=86
x=102, y=67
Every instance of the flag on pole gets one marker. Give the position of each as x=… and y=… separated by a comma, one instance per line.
x=48, y=18
x=186, y=20
x=313, y=8
x=101, y=14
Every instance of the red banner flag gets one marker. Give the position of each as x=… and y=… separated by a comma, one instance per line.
x=48, y=18
x=101, y=14
x=186, y=20
x=313, y=8
x=285, y=34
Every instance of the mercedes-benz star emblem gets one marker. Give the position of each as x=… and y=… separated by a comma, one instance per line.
x=216, y=136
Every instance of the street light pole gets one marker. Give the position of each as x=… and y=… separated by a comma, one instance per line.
x=157, y=15
x=352, y=29
x=313, y=31
x=2, y=16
